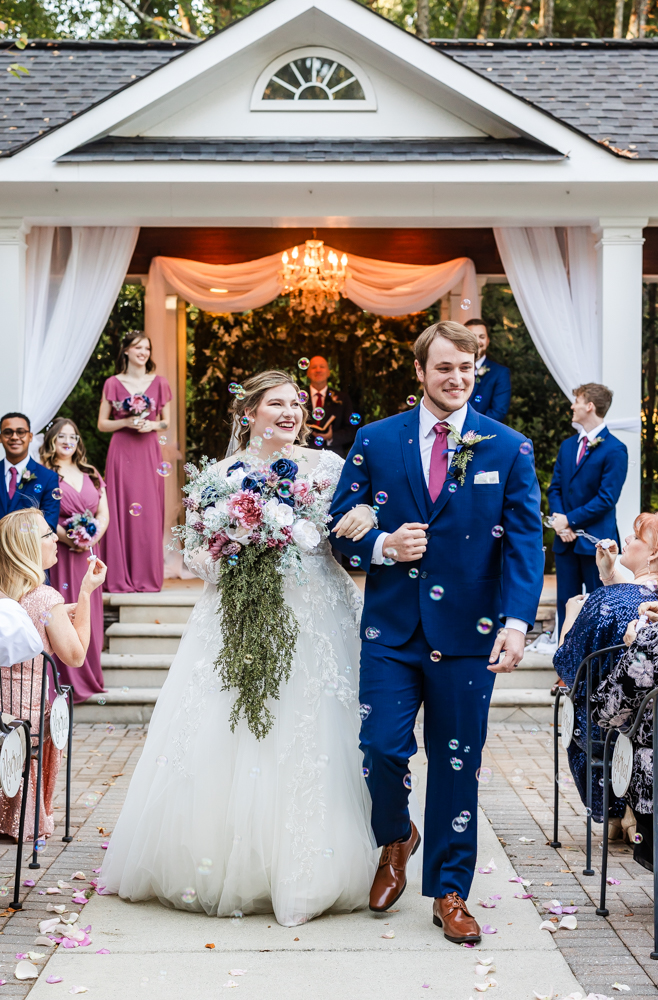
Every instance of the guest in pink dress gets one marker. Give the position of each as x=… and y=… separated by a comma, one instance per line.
x=135, y=410
x=29, y=546
x=83, y=520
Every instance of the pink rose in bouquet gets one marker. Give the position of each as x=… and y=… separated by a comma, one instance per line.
x=245, y=508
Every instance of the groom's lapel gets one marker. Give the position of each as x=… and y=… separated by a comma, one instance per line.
x=410, y=444
x=471, y=423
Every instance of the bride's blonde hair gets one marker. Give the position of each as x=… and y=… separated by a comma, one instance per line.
x=254, y=390
x=20, y=545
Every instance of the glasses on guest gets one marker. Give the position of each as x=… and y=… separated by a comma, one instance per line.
x=9, y=432
x=65, y=438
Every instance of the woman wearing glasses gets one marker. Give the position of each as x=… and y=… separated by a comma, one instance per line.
x=83, y=520
x=135, y=411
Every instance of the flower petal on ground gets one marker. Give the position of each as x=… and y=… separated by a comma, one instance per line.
x=517, y=878
x=621, y=987
x=29, y=882
x=41, y=940
x=488, y=869
x=52, y=891
x=487, y=903
x=103, y=951
x=63, y=885
x=54, y=979
x=613, y=881
x=80, y=876
x=78, y=989
x=26, y=970
x=237, y=972
x=570, y=909
x=568, y=924
x=522, y=895
x=546, y=925
x=526, y=840
x=484, y=970
x=48, y=925
x=60, y=908
x=230, y=985
x=389, y=934
x=488, y=929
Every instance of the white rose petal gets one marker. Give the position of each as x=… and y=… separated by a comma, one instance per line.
x=547, y=925
x=568, y=924
x=305, y=535
x=239, y=534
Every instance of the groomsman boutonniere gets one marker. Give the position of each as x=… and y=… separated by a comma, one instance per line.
x=594, y=443
x=482, y=370
x=27, y=477
x=464, y=450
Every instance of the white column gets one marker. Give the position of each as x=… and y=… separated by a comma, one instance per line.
x=12, y=324
x=620, y=318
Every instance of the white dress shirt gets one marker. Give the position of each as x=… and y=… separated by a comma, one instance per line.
x=480, y=362
x=20, y=469
x=590, y=435
x=19, y=640
x=427, y=422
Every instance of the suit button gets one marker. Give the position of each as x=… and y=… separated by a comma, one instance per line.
x=423, y=575
x=428, y=534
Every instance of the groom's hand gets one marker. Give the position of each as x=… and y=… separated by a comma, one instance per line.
x=409, y=541
x=508, y=650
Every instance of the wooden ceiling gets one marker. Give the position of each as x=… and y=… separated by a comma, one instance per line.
x=232, y=245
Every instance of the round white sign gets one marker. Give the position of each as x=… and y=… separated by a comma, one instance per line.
x=567, y=724
x=622, y=765
x=59, y=721
x=11, y=763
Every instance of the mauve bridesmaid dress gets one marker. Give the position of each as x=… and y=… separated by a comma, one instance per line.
x=132, y=545
x=66, y=576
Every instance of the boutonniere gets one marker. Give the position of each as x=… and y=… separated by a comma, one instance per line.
x=464, y=450
x=594, y=443
x=482, y=370
x=27, y=477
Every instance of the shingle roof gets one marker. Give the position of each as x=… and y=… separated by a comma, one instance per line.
x=606, y=89
x=66, y=78
x=311, y=150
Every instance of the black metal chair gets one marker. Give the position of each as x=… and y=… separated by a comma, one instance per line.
x=590, y=673
x=610, y=739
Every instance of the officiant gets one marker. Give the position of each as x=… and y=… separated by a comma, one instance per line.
x=333, y=429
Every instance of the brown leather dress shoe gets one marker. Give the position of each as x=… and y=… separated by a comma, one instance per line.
x=391, y=876
x=458, y=925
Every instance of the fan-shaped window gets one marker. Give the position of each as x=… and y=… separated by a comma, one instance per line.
x=313, y=79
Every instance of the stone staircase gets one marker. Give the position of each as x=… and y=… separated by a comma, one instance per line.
x=146, y=629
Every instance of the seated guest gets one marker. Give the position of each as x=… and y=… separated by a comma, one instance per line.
x=19, y=640
x=25, y=483
x=29, y=547
x=339, y=435
x=492, y=393
x=600, y=621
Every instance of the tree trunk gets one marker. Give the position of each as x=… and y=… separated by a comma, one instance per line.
x=650, y=407
x=619, y=19
x=545, y=20
x=485, y=20
x=423, y=19
x=511, y=21
x=638, y=19
x=523, y=23
x=460, y=18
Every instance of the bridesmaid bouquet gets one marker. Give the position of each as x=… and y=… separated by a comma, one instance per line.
x=81, y=529
x=256, y=522
x=138, y=405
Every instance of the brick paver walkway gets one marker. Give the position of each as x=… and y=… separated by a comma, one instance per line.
x=518, y=801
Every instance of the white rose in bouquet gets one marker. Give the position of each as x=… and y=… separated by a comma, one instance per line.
x=281, y=512
x=306, y=535
x=239, y=534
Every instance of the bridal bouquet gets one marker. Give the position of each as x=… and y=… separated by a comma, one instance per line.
x=81, y=529
x=138, y=405
x=256, y=522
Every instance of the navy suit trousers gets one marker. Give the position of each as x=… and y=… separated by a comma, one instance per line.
x=455, y=692
x=573, y=570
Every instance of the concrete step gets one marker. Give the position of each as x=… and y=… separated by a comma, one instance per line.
x=137, y=671
x=144, y=637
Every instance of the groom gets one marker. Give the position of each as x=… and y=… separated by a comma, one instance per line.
x=458, y=554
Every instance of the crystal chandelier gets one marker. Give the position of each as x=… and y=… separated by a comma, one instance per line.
x=313, y=285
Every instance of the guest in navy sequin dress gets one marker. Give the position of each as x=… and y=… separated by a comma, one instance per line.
x=600, y=622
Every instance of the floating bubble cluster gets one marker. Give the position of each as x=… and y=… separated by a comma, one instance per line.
x=456, y=763
x=268, y=432
x=162, y=761
x=318, y=413
x=452, y=488
x=459, y=825
x=40, y=844
x=318, y=442
x=354, y=487
x=205, y=866
x=390, y=557
x=328, y=852
x=465, y=304
x=303, y=396
x=411, y=400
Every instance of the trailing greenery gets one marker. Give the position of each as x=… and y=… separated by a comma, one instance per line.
x=259, y=633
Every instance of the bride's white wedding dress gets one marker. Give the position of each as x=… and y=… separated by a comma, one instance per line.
x=217, y=821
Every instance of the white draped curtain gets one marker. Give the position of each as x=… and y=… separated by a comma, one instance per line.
x=74, y=275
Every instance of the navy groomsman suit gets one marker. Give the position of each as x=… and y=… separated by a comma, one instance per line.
x=35, y=491
x=428, y=626
x=587, y=493
x=493, y=389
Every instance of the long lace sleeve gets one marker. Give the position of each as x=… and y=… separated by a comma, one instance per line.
x=202, y=565
x=600, y=624
x=620, y=695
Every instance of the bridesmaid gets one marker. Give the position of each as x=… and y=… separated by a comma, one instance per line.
x=82, y=490
x=134, y=410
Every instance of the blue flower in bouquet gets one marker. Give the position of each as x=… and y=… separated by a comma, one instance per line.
x=208, y=497
x=234, y=467
x=285, y=468
x=254, y=483
x=90, y=526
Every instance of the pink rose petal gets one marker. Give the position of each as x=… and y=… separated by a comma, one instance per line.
x=105, y=845
x=20, y=956
x=69, y=943
x=488, y=904
x=488, y=929
x=3, y=982
x=517, y=878
x=29, y=882
x=570, y=909
x=467, y=944
x=97, y=871
x=613, y=881
x=522, y=895
x=103, y=951
x=54, y=979
x=495, y=897
x=87, y=929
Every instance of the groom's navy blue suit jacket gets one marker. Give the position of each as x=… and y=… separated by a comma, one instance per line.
x=37, y=492
x=483, y=576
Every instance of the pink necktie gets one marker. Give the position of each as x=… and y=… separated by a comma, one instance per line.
x=583, y=449
x=439, y=460
x=13, y=476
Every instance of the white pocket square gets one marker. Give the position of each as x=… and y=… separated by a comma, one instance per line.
x=488, y=478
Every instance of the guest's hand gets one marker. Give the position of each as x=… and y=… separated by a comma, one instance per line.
x=573, y=608
x=606, y=558
x=355, y=524
x=631, y=632
x=559, y=523
x=95, y=575
x=568, y=535
x=409, y=541
x=650, y=609
x=510, y=647
x=146, y=426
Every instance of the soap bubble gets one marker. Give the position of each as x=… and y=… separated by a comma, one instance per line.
x=135, y=509
x=406, y=781
x=162, y=439
x=456, y=763
x=188, y=895
x=237, y=915
x=40, y=844
x=285, y=487
x=366, y=442
x=484, y=626
x=355, y=419
x=303, y=364
x=328, y=852
x=364, y=711
x=467, y=749
x=436, y=592
x=318, y=442
x=254, y=772
x=372, y=633
x=232, y=560
x=268, y=432
x=354, y=487
x=90, y=799
x=497, y=531
x=454, y=744
x=478, y=399
x=125, y=689
x=381, y=497
x=459, y=824
x=525, y=448
x=248, y=658
x=303, y=396
x=637, y=838
x=413, y=573
x=233, y=387
x=452, y=488
x=100, y=701
x=162, y=761
x=4, y=890
x=322, y=760
x=435, y=656
x=465, y=815
x=164, y=469
x=365, y=772
x=109, y=728
x=484, y=775
x=65, y=586
x=411, y=400
x=57, y=493
x=45, y=617
x=465, y=304
x=244, y=421
x=390, y=557
x=563, y=779
x=205, y=866
x=355, y=561
x=357, y=459
x=37, y=488
x=318, y=413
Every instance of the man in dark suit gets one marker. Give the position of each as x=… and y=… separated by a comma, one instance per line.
x=25, y=483
x=493, y=385
x=339, y=435
x=588, y=477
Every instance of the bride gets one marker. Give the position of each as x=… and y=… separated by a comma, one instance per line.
x=216, y=820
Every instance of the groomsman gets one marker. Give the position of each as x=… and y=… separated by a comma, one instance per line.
x=588, y=477
x=493, y=385
x=339, y=434
x=25, y=483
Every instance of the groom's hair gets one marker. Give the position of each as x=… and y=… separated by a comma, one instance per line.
x=600, y=395
x=463, y=339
